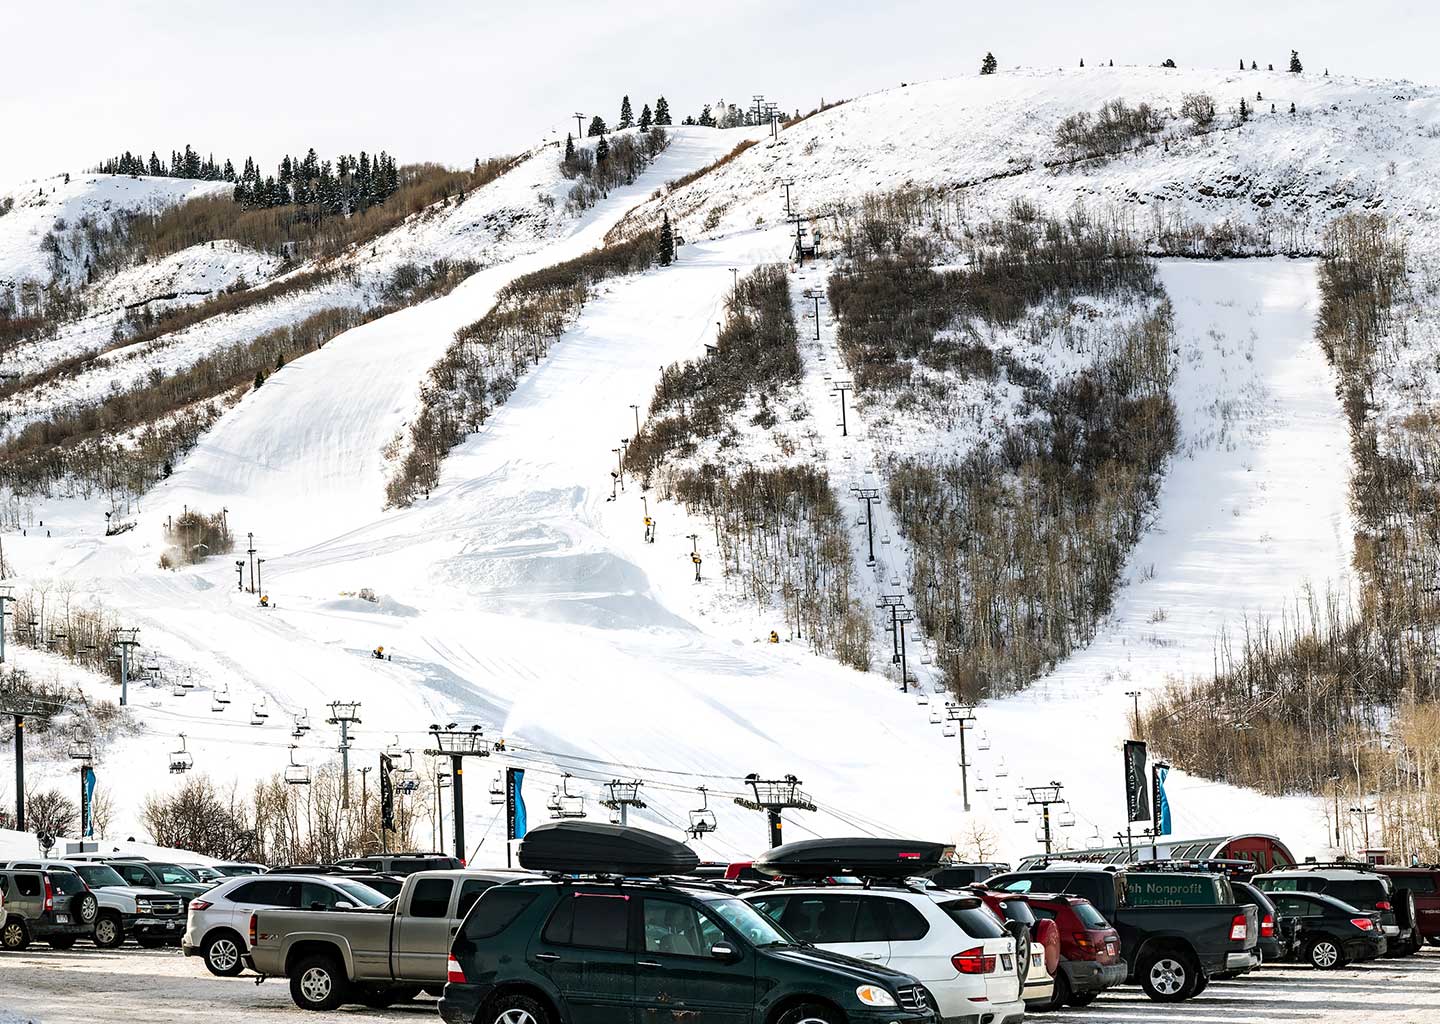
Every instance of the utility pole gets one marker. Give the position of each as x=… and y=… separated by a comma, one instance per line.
x=251, y=553
x=962, y=716
x=126, y=639
x=1043, y=797
x=458, y=744
x=773, y=796
x=839, y=388
x=869, y=495
x=344, y=714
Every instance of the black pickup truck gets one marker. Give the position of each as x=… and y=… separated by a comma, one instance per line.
x=1177, y=931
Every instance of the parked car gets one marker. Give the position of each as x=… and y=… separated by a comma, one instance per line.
x=238, y=869
x=1043, y=956
x=1275, y=938
x=957, y=876
x=218, y=922
x=1423, y=884
x=375, y=957
x=1177, y=931
x=1352, y=883
x=957, y=948
x=1090, y=960
x=1331, y=933
x=122, y=910
x=402, y=863
x=50, y=906
x=150, y=874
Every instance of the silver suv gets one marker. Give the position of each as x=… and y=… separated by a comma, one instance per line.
x=53, y=906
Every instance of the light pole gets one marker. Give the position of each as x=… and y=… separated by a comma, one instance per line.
x=364, y=801
x=1134, y=696
x=636, y=409
x=344, y=714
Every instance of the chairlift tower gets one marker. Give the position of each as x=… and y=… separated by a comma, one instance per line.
x=773, y=796
x=869, y=495
x=458, y=744
x=125, y=639
x=623, y=796
x=1044, y=797
x=963, y=717
x=344, y=714
x=7, y=598
x=20, y=710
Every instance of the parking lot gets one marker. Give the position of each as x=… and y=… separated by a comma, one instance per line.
x=87, y=985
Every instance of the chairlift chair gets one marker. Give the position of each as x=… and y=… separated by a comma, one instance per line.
x=569, y=805
x=702, y=819
x=984, y=743
x=922, y=698
x=1001, y=804
x=981, y=786
x=553, y=804
x=216, y=705
x=1020, y=816
x=407, y=779
x=297, y=774
x=497, y=791
x=223, y=697
x=1000, y=770
x=1067, y=817
x=935, y=717
x=938, y=686
x=948, y=729
x=181, y=760
x=178, y=689
x=81, y=748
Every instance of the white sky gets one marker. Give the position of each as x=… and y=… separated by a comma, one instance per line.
x=447, y=81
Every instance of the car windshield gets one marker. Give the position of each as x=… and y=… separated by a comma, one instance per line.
x=203, y=873
x=749, y=922
x=172, y=874
x=67, y=882
x=96, y=875
x=367, y=896
x=1089, y=916
x=235, y=870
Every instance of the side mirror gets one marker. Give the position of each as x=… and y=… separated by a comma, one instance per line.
x=722, y=951
x=344, y=905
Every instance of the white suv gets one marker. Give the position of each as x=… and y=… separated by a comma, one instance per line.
x=220, y=919
x=952, y=943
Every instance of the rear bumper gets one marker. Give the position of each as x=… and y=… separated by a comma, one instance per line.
x=1087, y=976
x=992, y=1013
x=1242, y=963
x=461, y=1003
x=1274, y=949
x=1366, y=949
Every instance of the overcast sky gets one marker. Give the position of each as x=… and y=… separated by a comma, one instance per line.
x=449, y=81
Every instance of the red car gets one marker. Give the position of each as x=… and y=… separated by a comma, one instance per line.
x=1038, y=990
x=1090, y=959
x=1423, y=882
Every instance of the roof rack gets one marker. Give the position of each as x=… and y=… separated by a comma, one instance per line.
x=1231, y=867
x=1342, y=864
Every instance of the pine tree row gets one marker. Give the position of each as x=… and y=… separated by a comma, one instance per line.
x=347, y=186
x=183, y=164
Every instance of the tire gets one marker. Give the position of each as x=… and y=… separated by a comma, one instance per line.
x=1084, y=999
x=804, y=1013
x=1061, y=996
x=515, y=1009
x=14, y=936
x=319, y=983
x=1169, y=977
x=109, y=931
x=222, y=954
x=149, y=942
x=1202, y=984
x=85, y=907
x=1324, y=954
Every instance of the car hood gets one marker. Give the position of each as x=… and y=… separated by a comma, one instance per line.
x=136, y=891
x=838, y=965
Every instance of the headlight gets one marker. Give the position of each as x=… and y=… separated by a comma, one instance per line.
x=142, y=906
x=874, y=995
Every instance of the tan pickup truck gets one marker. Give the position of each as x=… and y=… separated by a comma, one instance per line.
x=376, y=957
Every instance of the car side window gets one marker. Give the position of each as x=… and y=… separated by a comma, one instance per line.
x=822, y=919
x=1019, y=885
x=906, y=923
x=28, y=885
x=431, y=897
x=1041, y=913
x=872, y=924
x=678, y=929
x=314, y=896
x=133, y=874
x=593, y=920
x=772, y=907
x=470, y=890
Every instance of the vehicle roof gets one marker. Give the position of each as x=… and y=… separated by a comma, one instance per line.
x=1346, y=874
x=287, y=876
x=932, y=893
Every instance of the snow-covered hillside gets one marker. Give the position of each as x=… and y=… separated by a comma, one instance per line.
x=518, y=597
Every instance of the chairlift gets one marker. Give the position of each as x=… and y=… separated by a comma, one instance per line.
x=407, y=779
x=568, y=804
x=984, y=743
x=297, y=774
x=1001, y=805
x=1000, y=770
x=1020, y=816
x=188, y=680
x=948, y=729
x=81, y=748
x=981, y=786
x=497, y=791
x=938, y=686
x=922, y=698
x=177, y=689
x=553, y=804
x=223, y=697
x=1067, y=817
x=181, y=760
x=935, y=717
x=885, y=538
x=217, y=705
x=702, y=819
x=258, y=714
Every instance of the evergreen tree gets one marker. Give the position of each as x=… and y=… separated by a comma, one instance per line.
x=645, y=119
x=280, y=361
x=597, y=127
x=1242, y=63
x=1244, y=111
x=569, y=147
x=989, y=64
x=229, y=173
x=259, y=379
x=667, y=241
x=662, y=112
x=1254, y=66
x=1295, y=66
x=1292, y=106
x=1258, y=97
x=602, y=150
x=689, y=119
x=155, y=167
x=1271, y=67
x=627, y=116
x=1082, y=62
x=1168, y=63
x=707, y=119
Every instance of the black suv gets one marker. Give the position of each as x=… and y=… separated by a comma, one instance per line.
x=614, y=948
x=1352, y=883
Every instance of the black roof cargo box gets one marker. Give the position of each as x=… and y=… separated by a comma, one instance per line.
x=863, y=858
x=597, y=848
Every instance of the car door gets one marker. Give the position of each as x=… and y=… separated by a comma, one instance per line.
x=830, y=920
x=679, y=977
x=423, y=943
x=586, y=953
x=261, y=894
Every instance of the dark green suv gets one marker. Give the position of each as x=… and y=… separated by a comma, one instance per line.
x=564, y=951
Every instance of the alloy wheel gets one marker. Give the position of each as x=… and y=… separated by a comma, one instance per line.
x=515, y=1015
x=316, y=984
x=106, y=931
x=1324, y=954
x=224, y=955
x=1167, y=976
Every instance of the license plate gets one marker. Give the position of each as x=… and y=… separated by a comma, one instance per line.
x=62, y=918
x=1110, y=948
x=169, y=926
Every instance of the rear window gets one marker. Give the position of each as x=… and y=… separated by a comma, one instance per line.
x=1018, y=910
x=1415, y=883
x=1359, y=893
x=173, y=874
x=67, y=882
x=496, y=910
x=366, y=896
x=1089, y=916
x=470, y=891
x=1144, y=890
x=976, y=922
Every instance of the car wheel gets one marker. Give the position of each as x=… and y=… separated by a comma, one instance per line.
x=1058, y=998
x=516, y=1009
x=809, y=1013
x=85, y=907
x=1169, y=977
x=222, y=954
x=318, y=983
x=109, y=931
x=1324, y=954
x=13, y=936
x=1201, y=984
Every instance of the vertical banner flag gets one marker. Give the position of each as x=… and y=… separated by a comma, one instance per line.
x=87, y=794
x=1137, y=803
x=387, y=795
x=1162, y=802
x=515, y=824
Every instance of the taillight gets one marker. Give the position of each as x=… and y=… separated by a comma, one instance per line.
x=252, y=929
x=453, y=972
x=1267, y=927
x=1383, y=905
x=1239, y=930
x=49, y=894
x=1082, y=940
x=1363, y=923
x=200, y=904
x=973, y=961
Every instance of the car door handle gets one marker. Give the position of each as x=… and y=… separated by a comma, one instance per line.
x=647, y=963
x=870, y=956
x=547, y=956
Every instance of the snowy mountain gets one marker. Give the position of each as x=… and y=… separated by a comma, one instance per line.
x=516, y=595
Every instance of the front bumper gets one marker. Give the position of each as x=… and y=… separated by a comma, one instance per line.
x=144, y=924
x=1087, y=976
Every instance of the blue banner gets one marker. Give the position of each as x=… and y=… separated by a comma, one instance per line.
x=1162, y=802
x=516, y=824
x=87, y=793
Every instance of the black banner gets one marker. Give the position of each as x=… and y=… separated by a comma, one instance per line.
x=387, y=795
x=1137, y=783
